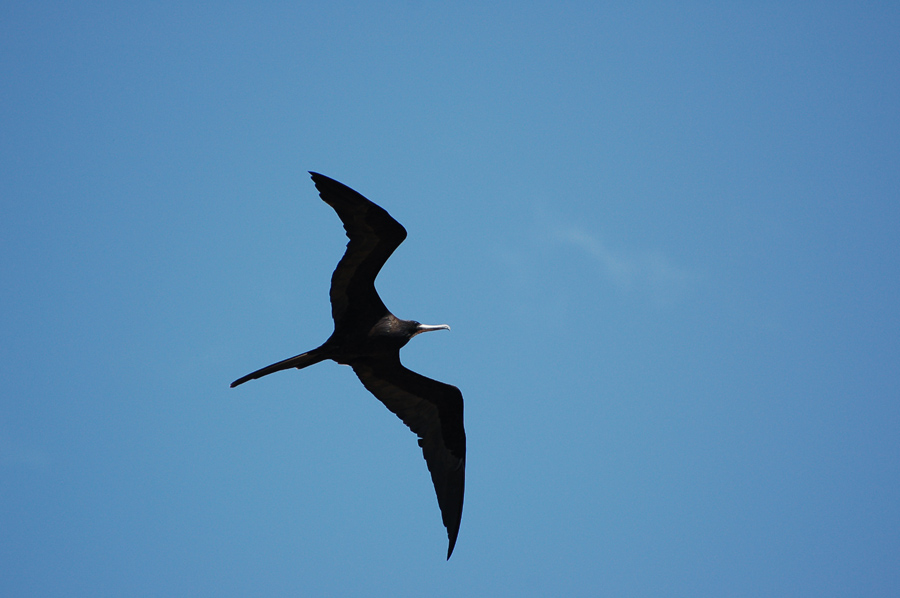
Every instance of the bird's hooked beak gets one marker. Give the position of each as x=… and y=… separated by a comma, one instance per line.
x=426, y=328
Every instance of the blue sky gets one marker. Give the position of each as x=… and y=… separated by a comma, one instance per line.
x=664, y=235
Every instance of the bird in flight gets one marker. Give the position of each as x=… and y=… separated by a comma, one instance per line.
x=368, y=338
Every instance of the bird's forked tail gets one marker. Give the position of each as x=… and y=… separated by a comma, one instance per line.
x=298, y=361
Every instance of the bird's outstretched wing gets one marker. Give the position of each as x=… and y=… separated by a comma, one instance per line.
x=434, y=411
x=374, y=236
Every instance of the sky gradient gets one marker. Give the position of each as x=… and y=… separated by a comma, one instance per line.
x=665, y=236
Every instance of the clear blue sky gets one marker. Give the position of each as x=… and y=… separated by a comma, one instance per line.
x=665, y=236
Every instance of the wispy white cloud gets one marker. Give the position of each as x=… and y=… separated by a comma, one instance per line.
x=648, y=271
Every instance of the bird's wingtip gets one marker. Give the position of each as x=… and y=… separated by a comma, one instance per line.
x=450, y=547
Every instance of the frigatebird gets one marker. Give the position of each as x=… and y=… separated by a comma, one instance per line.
x=368, y=338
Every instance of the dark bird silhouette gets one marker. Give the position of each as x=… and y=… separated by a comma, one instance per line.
x=368, y=338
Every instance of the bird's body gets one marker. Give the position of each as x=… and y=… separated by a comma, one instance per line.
x=368, y=338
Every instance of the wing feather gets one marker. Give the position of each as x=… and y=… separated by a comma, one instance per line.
x=374, y=236
x=434, y=411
